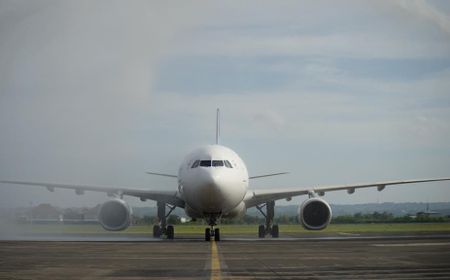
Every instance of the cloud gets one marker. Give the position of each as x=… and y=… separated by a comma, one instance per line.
x=356, y=30
x=352, y=45
x=81, y=99
x=83, y=68
x=424, y=10
x=269, y=119
x=76, y=82
x=348, y=109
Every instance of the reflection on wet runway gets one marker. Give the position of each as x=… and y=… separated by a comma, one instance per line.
x=113, y=237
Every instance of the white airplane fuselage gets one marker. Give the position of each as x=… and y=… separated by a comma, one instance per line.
x=213, y=182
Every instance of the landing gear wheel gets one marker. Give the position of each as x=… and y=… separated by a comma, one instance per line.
x=170, y=232
x=208, y=234
x=216, y=234
x=275, y=231
x=156, y=231
x=261, y=231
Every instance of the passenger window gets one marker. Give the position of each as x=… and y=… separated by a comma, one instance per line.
x=205, y=163
x=195, y=164
x=216, y=163
x=228, y=164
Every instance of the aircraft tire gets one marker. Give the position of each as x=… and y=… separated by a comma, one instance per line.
x=275, y=231
x=170, y=232
x=216, y=234
x=207, y=234
x=261, y=231
x=156, y=231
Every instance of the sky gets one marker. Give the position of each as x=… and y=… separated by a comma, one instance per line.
x=99, y=92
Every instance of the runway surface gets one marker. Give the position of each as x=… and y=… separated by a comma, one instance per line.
x=425, y=256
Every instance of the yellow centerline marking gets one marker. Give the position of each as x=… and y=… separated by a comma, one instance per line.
x=215, y=262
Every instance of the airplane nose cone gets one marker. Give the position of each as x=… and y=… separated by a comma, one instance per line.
x=214, y=190
x=211, y=193
x=212, y=180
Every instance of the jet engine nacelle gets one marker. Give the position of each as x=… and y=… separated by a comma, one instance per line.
x=115, y=215
x=314, y=214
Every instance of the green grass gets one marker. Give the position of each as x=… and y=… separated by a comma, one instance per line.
x=375, y=228
x=244, y=229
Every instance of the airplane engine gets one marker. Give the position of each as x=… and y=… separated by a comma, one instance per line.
x=314, y=214
x=238, y=211
x=115, y=215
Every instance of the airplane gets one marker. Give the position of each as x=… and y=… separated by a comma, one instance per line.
x=213, y=184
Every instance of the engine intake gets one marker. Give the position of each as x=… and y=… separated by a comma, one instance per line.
x=115, y=215
x=314, y=214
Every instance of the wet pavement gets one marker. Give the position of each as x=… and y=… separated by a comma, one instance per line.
x=342, y=257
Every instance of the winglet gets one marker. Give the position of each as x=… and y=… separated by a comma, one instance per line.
x=217, y=126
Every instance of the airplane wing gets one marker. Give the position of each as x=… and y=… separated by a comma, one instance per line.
x=257, y=197
x=170, y=197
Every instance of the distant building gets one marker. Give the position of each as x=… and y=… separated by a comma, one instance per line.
x=428, y=213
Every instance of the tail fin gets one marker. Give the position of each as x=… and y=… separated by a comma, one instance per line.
x=217, y=126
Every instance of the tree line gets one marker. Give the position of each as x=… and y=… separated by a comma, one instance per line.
x=385, y=217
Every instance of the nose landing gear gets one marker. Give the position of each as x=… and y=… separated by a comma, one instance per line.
x=211, y=231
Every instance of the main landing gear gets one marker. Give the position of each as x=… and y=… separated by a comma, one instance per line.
x=162, y=228
x=211, y=231
x=269, y=227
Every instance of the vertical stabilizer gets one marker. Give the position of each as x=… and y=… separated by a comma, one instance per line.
x=217, y=126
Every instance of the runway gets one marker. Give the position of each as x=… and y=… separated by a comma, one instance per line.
x=369, y=257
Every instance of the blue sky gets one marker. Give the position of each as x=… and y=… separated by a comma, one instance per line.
x=98, y=92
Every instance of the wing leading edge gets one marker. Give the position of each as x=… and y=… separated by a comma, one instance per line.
x=252, y=198
x=170, y=197
x=258, y=197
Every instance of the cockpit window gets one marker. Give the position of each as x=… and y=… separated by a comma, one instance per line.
x=205, y=163
x=211, y=163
